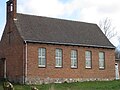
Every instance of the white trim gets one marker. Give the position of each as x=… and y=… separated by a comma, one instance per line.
x=15, y=19
x=101, y=67
x=58, y=66
x=117, y=77
x=88, y=67
x=73, y=66
x=117, y=59
x=85, y=45
x=26, y=53
x=41, y=66
x=23, y=64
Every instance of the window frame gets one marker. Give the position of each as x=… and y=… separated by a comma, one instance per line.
x=72, y=58
x=102, y=61
x=59, y=58
x=42, y=57
x=90, y=59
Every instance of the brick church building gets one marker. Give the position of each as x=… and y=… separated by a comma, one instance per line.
x=36, y=50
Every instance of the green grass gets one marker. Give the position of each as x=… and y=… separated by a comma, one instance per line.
x=92, y=85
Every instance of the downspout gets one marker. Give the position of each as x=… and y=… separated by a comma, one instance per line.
x=23, y=68
x=5, y=67
x=26, y=53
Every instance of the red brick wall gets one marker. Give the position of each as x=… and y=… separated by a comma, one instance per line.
x=1, y=69
x=66, y=72
x=13, y=52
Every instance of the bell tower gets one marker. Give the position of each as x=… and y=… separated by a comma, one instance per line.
x=10, y=16
x=11, y=9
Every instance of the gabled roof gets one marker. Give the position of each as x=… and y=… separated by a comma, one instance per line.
x=57, y=31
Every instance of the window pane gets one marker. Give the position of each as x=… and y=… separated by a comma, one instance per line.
x=88, y=59
x=101, y=64
x=57, y=52
x=101, y=60
x=88, y=54
x=88, y=63
x=73, y=58
x=75, y=62
x=39, y=52
x=41, y=57
x=43, y=61
x=43, y=52
x=39, y=61
x=101, y=55
x=58, y=57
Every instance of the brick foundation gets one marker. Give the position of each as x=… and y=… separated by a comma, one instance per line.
x=36, y=80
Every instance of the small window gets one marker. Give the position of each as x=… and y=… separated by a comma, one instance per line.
x=73, y=58
x=88, y=57
x=41, y=57
x=101, y=60
x=58, y=58
x=11, y=7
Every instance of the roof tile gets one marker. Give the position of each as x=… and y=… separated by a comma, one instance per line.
x=58, y=31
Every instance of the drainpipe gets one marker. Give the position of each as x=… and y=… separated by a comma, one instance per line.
x=5, y=67
x=23, y=68
x=25, y=79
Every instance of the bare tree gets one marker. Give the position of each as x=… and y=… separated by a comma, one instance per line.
x=118, y=47
x=117, y=51
x=117, y=54
x=107, y=28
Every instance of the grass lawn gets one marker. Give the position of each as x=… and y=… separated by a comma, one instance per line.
x=92, y=85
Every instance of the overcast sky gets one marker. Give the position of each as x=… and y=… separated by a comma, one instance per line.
x=91, y=11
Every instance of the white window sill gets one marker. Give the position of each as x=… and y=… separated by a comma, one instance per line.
x=88, y=67
x=101, y=67
x=41, y=66
x=73, y=66
x=58, y=66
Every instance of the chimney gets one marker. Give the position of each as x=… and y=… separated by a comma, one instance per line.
x=11, y=9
